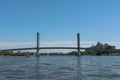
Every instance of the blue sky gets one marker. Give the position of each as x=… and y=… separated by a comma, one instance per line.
x=60, y=20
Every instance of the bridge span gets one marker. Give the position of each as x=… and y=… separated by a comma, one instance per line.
x=16, y=49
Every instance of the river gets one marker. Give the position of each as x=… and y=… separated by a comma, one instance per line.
x=60, y=68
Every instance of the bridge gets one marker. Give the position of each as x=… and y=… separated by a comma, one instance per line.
x=78, y=48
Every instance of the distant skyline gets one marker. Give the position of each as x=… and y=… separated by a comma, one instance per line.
x=59, y=21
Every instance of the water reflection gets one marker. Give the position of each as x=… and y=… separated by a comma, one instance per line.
x=37, y=68
x=80, y=75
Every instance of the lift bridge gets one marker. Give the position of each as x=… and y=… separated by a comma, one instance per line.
x=78, y=48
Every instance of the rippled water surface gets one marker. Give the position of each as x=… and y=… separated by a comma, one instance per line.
x=60, y=68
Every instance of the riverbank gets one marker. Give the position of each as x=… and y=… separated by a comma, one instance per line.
x=112, y=54
x=73, y=53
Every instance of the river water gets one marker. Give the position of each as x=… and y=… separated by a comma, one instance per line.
x=60, y=68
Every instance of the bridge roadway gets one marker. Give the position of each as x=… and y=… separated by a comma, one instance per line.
x=34, y=48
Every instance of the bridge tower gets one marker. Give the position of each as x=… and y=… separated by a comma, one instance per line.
x=78, y=43
x=37, y=54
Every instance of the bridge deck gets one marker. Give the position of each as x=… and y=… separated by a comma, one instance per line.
x=34, y=48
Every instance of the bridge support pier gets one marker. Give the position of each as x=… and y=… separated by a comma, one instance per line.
x=108, y=53
x=37, y=53
x=78, y=44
